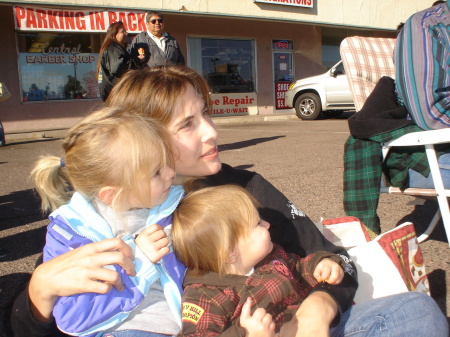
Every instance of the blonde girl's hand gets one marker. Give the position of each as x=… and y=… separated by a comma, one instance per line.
x=328, y=271
x=154, y=242
x=260, y=324
x=78, y=271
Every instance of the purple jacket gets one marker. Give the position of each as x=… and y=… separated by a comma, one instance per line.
x=77, y=224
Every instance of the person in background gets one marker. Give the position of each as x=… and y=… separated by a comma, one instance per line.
x=244, y=271
x=114, y=58
x=418, y=99
x=399, y=27
x=422, y=57
x=4, y=95
x=155, y=47
x=438, y=2
x=2, y=135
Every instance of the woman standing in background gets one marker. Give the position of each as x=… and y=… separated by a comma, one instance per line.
x=114, y=58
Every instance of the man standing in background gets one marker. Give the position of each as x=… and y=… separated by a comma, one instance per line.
x=155, y=47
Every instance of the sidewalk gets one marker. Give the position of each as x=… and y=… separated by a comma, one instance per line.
x=48, y=134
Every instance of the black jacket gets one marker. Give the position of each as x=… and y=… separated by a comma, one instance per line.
x=381, y=112
x=114, y=63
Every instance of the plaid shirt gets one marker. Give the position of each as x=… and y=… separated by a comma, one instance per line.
x=212, y=303
x=363, y=168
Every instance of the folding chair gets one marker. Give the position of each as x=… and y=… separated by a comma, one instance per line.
x=366, y=60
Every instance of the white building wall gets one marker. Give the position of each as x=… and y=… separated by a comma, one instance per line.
x=378, y=14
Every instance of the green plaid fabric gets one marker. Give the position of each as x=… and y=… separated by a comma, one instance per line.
x=363, y=168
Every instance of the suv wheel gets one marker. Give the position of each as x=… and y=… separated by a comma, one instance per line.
x=308, y=106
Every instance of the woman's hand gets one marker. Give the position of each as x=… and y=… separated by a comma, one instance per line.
x=141, y=54
x=313, y=317
x=154, y=242
x=329, y=271
x=78, y=271
x=260, y=324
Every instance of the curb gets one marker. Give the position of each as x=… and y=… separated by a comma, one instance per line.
x=34, y=135
x=49, y=134
x=253, y=118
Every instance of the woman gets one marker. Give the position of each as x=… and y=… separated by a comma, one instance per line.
x=114, y=60
x=179, y=98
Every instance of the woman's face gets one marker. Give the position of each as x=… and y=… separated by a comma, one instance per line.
x=121, y=36
x=194, y=138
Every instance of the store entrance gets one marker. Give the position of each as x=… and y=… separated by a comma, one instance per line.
x=282, y=70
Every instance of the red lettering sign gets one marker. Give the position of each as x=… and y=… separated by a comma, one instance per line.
x=280, y=89
x=282, y=45
x=46, y=19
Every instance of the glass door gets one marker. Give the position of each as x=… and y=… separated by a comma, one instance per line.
x=282, y=70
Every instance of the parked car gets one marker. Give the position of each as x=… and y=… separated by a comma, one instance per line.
x=328, y=93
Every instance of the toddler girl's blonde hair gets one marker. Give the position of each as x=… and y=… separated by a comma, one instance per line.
x=109, y=147
x=208, y=224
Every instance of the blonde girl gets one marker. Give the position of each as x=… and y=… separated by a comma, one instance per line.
x=234, y=268
x=114, y=180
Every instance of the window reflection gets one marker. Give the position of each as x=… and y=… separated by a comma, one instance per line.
x=226, y=64
x=58, y=66
x=331, y=41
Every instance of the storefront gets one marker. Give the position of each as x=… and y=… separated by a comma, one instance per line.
x=58, y=50
x=49, y=58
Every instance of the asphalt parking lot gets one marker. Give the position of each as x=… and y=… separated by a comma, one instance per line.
x=302, y=159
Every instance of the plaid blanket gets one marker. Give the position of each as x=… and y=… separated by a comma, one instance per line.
x=363, y=169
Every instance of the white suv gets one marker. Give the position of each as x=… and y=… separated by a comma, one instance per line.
x=328, y=93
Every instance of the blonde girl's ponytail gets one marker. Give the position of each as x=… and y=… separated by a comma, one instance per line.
x=51, y=182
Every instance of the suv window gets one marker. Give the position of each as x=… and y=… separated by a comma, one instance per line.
x=340, y=69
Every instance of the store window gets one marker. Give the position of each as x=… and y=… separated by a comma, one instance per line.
x=58, y=66
x=228, y=65
x=331, y=41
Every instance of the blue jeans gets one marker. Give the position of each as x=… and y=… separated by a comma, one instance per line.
x=418, y=180
x=132, y=333
x=410, y=314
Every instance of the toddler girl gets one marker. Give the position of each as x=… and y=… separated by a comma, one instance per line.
x=234, y=268
x=118, y=166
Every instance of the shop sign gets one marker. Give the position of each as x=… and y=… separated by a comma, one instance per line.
x=298, y=3
x=58, y=76
x=29, y=18
x=234, y=104
x=280, y=93
x=282, y=44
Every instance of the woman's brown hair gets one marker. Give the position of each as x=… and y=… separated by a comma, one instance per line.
x=110, y=37
x=153, y=92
